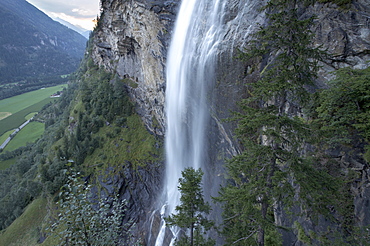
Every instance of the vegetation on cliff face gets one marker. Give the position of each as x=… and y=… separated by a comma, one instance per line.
x=280, y=170
x=83, y=220
x=343, y=109
x=341, y=113
x=341, y=3
x=92, y=129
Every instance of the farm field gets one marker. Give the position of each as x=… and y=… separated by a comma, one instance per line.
x=16, y=110
x=17, y=119
x=4, y=115
x=30, y=115
x=20, y=108
x=30, y=133
x=20, y=102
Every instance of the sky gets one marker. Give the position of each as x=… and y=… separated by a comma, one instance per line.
x=77, y=12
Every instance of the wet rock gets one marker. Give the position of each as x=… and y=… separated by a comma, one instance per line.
x=140, y=188
x=155, y=226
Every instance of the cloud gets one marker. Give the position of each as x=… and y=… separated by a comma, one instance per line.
x=77, y=12
x=86, y=23
x=86, y=8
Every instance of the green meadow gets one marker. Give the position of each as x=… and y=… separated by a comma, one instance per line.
x=29, y=134
x=17, y=119
x=22, y=107
x=16, y=110
x=5, y=136
x=17, y=103
x=30, y=115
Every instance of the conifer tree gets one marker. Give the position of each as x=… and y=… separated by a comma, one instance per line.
x=191, y=213
x=343, y=110
x=265, y=174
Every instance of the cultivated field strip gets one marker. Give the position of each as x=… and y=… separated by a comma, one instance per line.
x=17, y=119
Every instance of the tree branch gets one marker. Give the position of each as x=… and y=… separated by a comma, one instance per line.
x=244, y=238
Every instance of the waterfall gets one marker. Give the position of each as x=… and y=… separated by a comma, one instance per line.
x=190, y=75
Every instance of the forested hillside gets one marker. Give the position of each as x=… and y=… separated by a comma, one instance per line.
x=34, y=50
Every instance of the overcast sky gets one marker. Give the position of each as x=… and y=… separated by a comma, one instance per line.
x=76, y=12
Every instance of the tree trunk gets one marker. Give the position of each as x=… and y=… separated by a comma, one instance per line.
x=264, y=201
x=192, y=234
x=261, y=230
x=261, y=236
x=85, y=233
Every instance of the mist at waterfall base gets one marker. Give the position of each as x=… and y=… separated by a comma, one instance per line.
x=190, y=75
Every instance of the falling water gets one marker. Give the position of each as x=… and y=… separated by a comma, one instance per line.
x=190, y=73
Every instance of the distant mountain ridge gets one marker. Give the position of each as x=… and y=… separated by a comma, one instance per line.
x=84, y=32
x=32, y=45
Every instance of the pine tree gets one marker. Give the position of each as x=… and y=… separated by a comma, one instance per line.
x=265, y=174
x=191, y=213
x=343, y=110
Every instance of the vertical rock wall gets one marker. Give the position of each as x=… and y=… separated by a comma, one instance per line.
x=132, y=41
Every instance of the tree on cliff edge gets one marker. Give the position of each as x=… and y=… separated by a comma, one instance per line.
x=274, y=132
x=192, y=210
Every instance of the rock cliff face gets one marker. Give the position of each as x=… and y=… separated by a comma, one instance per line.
x=133, y=38
x=132, y=41
x=344, y=33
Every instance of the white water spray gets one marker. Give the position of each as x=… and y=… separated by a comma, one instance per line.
x=190, y=73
